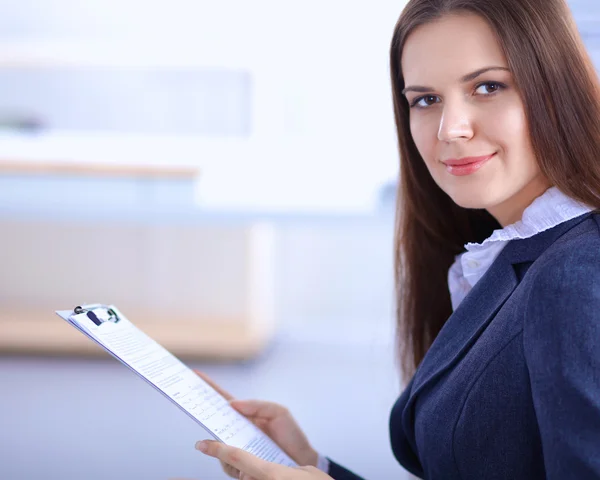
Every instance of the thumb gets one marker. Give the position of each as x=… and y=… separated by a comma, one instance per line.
x=242, y=406
x=259, y=408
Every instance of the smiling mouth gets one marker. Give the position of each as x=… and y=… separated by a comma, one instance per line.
x=467, y=165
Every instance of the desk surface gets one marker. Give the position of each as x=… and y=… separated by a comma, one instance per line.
x=95, y=169
x=191, y=339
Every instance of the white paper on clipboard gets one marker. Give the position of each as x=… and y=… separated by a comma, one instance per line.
x=107, y=326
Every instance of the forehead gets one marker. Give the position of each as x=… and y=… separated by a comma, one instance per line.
x=449, y=48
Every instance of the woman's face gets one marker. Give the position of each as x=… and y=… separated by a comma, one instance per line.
x=467, y=118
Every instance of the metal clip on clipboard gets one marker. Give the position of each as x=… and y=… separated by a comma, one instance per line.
x=89, y=311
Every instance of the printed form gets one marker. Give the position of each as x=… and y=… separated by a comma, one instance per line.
x=121, y=338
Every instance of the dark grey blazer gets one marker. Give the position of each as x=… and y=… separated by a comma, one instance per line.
x=510, y=389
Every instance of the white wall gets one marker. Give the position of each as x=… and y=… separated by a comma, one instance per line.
x=334, y=282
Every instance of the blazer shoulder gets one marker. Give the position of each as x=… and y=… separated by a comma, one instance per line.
x=578, y=247
x=566, y=277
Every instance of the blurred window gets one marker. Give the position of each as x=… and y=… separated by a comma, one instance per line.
x=180, y=101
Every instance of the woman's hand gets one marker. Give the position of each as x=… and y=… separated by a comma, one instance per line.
x=253, y=468
x=277, y=422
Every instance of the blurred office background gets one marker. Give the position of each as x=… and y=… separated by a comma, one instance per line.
x=224, y=173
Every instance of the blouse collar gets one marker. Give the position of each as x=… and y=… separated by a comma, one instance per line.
x=547, y=211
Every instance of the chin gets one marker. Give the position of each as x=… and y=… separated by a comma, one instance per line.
x=470, y=198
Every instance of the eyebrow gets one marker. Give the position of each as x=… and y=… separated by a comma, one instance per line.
x=467, y=78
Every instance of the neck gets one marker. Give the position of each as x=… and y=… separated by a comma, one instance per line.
x=511, y=210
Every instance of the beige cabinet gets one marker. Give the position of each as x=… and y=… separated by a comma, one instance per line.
x=202, y=288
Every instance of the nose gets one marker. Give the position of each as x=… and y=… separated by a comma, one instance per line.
x=456, y=123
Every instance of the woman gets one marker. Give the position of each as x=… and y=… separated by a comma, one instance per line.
x=497, y=108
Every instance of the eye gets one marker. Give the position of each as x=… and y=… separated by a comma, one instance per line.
x=424, y=101
x=488, y=88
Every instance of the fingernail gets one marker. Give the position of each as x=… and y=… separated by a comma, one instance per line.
x=202, y=446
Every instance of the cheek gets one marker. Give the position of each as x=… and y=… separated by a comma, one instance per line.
x=509, y=128
x=424, y=130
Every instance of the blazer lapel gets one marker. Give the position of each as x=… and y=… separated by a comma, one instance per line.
x=471, y=317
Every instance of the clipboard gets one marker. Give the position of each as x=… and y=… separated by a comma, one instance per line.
x=109, y=328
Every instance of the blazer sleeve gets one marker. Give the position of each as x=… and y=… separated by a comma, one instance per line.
x=337, y=472
x=561, y=340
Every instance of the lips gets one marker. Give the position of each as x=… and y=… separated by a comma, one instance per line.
x=466, y=165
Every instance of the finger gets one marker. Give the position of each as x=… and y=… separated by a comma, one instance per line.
x=309, y=469
x=259, y=409
x=261, y=423
x=245, y=462
x=209, y=380
x=230, y=471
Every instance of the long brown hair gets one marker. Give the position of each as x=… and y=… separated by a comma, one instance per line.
x=561, y=96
